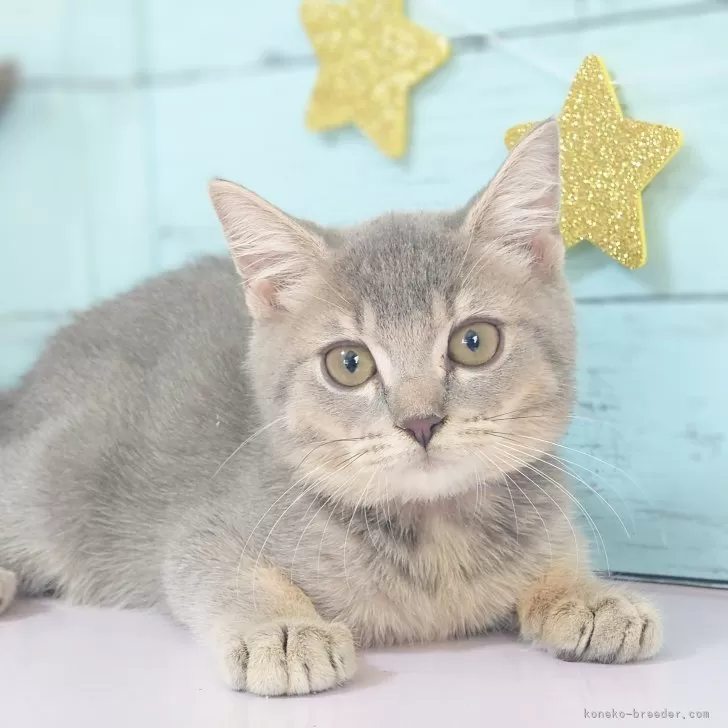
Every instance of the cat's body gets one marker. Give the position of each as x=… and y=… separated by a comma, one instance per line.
x=277, y=513
x=133, y=422
x=129, y=425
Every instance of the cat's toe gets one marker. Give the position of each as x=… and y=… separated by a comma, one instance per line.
x=651, y=638
x=612, y=627
x=291, y=657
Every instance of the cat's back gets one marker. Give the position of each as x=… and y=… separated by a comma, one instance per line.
x=109, y=437
x=182, y=329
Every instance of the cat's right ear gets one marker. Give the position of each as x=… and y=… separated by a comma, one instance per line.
x=273, y=253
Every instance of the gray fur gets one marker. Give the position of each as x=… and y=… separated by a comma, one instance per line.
x=143, y=465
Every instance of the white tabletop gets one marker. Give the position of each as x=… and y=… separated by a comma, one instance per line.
x=77, y=668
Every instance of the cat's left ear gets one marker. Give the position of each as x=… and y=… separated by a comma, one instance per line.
x=274, y=254
x=520, y=207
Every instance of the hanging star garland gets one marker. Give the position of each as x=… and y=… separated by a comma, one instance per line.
x=370, y=57
x=606, y=162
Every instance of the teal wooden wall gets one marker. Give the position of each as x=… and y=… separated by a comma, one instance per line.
x=129, y=106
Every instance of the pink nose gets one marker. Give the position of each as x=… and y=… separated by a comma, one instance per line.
x=422, y=428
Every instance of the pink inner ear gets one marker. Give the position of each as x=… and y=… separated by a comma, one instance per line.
x=253, y=268
x=265, y=292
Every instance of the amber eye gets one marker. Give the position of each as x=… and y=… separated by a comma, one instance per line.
x=474, y=344
x=350, y=364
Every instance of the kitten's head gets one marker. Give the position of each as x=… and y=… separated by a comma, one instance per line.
x=413, y=356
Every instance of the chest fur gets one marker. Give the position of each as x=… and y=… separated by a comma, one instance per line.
x=446, y=579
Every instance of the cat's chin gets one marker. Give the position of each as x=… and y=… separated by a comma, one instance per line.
x=431, y=477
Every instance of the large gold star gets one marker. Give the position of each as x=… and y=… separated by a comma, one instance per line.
x=606, y=162
x=370, y=56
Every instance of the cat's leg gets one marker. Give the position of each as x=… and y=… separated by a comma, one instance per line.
x=8, y=588
x=577, y=617
x=265, y=631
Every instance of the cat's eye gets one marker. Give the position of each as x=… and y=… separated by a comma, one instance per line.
x=475, y=344
x=350, y=365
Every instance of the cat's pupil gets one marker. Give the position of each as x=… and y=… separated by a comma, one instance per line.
x=351, y=361
x=471, y=340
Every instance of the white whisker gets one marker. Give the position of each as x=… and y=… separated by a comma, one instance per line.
x=533, y=505
x=510, y=494
x=580, y=452
x=554, y=501
x=321, y=507
x=351, y=520
x=243, y=444
x=260, y=520
x=304, y=492
x=335, y=500
x=523, y=449
x=571, y=496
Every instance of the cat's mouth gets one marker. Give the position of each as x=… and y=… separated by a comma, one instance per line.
x=432, y=474
x=426, y=461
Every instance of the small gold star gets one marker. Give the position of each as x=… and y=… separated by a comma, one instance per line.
x=370, y=57
x=606, y=162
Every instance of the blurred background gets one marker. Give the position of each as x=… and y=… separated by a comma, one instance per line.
x=123, y=109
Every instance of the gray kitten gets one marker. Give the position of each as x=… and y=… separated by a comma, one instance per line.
x=378, y=471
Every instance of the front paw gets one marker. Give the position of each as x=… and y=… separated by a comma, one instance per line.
x=593, y=625
x=290, y=657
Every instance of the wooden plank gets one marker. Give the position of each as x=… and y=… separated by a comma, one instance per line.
x=53, y=39
x=596, y=8
x=42, y=222
x=221, y=34
x=117, y=190
x=652, y=403
x=229, y=35
x=250, y=129
x=73, y=199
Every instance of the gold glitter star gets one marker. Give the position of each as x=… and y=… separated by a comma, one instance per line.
x=606, y=162
x=370, y=57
